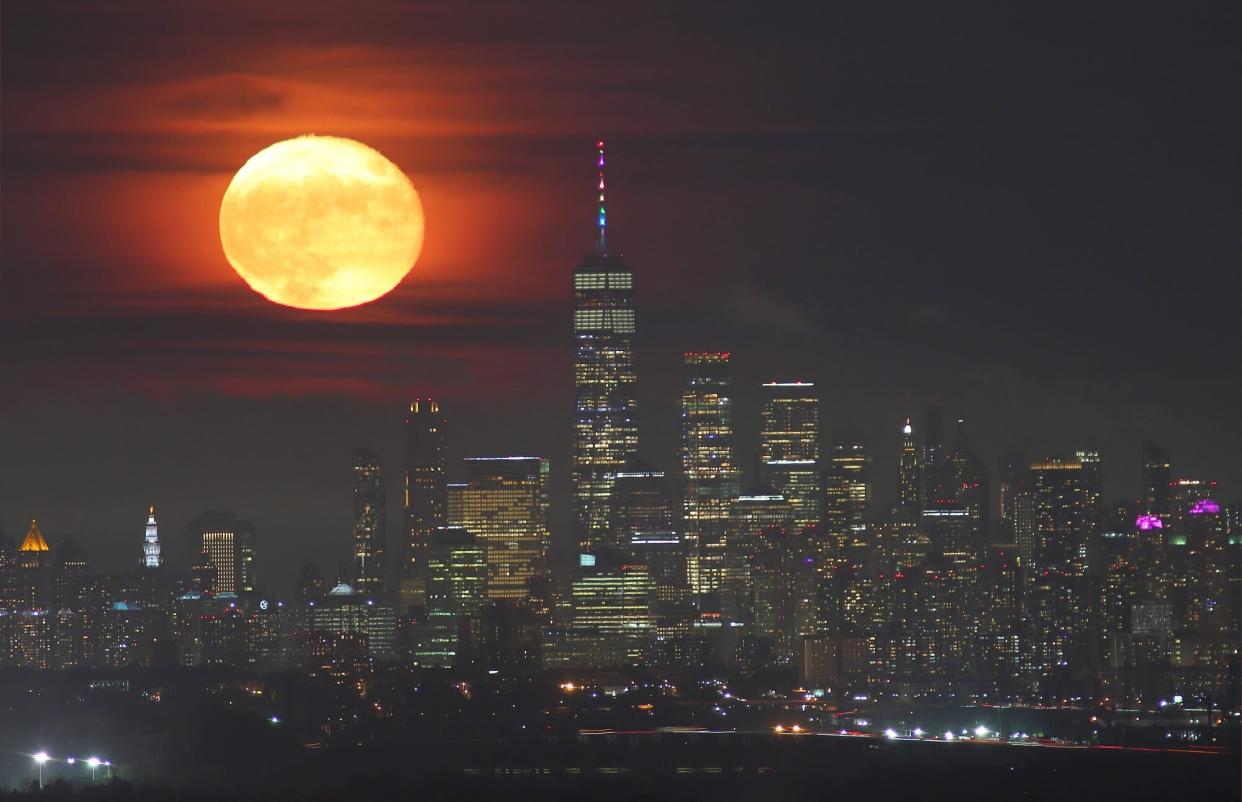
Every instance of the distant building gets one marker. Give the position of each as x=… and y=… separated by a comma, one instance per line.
x=605, y=432
x=847, y=500
x=709, y=466
x=228, y=544
x=426, y=501
x=370, y=532
x=344, y=618
x=504, y=504
x=909, y=474
x=646, y=533
x=761, y=585
x=789, y=448
x=69, y=575
x=1058, y=602
x=505, y=636
x=456, y=590
x=613, y=618
x=34, y=570
x=151, y=542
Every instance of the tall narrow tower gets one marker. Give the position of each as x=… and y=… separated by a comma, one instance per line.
x=370, y=531
x=426, y=446
x=605, y=397
x=151, y=543
x=710, y=468
x=909, y=478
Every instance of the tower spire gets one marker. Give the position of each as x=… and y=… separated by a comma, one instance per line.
x=601, y=246
x=151, y=542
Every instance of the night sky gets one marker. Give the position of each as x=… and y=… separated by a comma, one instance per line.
x=1030, y=216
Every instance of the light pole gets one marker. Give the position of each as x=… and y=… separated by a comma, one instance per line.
x=93, y=762
x=40, y=758
x=108, y=766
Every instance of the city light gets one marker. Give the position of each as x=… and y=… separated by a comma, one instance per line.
x=1053, y=565
x=40, y=758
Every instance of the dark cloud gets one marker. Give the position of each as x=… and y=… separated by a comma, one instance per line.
x=1025, y=212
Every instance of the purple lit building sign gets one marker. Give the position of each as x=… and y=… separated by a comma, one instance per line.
x=1205, y=506
x=1146, y=523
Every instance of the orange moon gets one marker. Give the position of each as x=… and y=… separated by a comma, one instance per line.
x=321, y=222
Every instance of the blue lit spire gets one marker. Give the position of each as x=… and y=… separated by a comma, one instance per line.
x=601, y=247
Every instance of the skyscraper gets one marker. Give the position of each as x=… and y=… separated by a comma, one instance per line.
x=934, y=463
x=504, y=504
x=642, y=503
x=758, y=582
x=425, y=501
x=151, y=543
x=646, y=533
x=1158, y=478
x=34, y=564
x=228, y=545
x=909, y=479
x=789, y=448
x=1058, y=596
x=847, y=499
x=613, y=617
x=456, y=590
x=968, y=488
x=605, y=397
x=370, y=531
x=709, y=467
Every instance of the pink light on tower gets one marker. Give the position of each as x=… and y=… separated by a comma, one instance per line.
x=1205, y=506
x=602, y=245
x=1146, y=523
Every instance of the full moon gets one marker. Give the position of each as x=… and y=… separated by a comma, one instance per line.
x=321, y=222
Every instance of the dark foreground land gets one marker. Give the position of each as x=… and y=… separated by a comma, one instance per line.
x=678, y=766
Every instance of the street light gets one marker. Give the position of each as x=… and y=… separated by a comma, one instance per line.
x=40, y=758
x=93, y=762
x=108, y=766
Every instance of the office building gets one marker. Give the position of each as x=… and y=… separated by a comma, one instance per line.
x=710, y=468
x=789, y=448
x=425, y=496
x=370, y=530
x=605, y=432
x=227, y=544
x=504, y=504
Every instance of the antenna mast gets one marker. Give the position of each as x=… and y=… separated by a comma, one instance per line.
x=601, y=247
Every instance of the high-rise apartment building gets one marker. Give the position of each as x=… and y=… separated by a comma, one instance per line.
x=1059, y=601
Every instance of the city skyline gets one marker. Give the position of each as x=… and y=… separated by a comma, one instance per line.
x=1032, y=257
x=709, y=400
